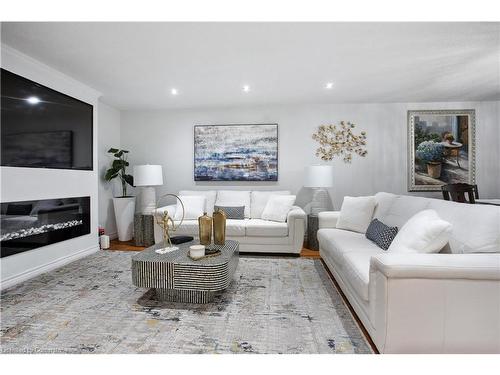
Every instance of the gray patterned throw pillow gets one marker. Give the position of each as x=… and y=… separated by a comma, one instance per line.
x=237, y=213
x=381, y=234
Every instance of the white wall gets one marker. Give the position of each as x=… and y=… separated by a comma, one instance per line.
x=109, y=136
x=166, y=137
x=18, y=184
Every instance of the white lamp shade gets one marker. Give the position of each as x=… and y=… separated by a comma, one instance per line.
x=148, y=175
x=319, y=176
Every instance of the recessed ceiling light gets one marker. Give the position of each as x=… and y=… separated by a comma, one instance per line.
x=329, y=85
x=33, y=100
x=174, y=92
x=246, y=88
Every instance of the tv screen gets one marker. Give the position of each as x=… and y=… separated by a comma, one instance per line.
x=43, y=128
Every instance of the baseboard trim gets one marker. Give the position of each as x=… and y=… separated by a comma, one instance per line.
x=35, y=271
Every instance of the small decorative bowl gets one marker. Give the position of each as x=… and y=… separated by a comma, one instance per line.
x=197, y=251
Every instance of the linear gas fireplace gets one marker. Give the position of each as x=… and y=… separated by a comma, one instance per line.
x=28, y=225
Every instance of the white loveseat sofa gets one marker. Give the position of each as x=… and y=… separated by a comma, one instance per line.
x=253, y=233
x=422, y=303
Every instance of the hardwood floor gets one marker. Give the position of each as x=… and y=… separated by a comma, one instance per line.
x=130, y=246
x=124, y=246
x=308, y=253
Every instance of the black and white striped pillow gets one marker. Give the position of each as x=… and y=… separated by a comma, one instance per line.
x=381, y=234
x=237, y=213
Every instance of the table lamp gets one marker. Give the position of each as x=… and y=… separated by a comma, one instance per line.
x=319, y=177
x=148, y=176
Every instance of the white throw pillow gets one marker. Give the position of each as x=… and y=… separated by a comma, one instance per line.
x=278, y=207
x=356, y=213
x=234, y=198
x=424, y=232
x=194, y=206
x=209, y=194
x=258, y=201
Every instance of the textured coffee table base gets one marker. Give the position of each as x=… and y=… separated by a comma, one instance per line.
x=184, y=295
x=177, y=278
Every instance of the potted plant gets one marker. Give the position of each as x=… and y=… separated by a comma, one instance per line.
x=431, y=153
x=124, y=206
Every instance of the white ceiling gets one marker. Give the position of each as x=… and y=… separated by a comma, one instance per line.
x=135, y=65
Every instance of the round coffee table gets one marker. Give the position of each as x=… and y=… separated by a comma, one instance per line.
x=178, y=278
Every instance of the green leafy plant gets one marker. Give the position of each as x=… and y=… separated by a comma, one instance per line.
x=119, y=169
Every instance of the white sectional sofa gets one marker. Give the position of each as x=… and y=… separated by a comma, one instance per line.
x=422, y=303
x=253, y=233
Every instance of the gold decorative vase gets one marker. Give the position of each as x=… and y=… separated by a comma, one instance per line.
x=205, y=229
x=219, y=227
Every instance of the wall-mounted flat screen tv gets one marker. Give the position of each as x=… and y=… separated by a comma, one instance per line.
x=43, y=128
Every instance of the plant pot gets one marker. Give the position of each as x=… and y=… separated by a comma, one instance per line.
x=434, y=169
x=124, y=215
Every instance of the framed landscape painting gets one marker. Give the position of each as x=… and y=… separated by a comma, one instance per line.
x=441, y=148
x=236, y=152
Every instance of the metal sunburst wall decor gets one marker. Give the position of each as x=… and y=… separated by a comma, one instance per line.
x=339, y=141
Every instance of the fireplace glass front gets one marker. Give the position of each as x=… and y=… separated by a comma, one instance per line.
x=27, y=225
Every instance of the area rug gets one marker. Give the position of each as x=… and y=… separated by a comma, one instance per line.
x=273, y=305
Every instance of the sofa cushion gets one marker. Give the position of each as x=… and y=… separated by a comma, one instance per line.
x=237, y=213
x=396, y=210
x=234, y=198
x=278, y=207
x=265, y=228
x=425, y=232
x=210, y=195
x=188, y=227
x=258, y=201
x=381, y=234
x=191, y=208
x=356, y=213
x=475, y=227
x=337, y=242
x=357, y=272
x=234, y=228
x=384, y=202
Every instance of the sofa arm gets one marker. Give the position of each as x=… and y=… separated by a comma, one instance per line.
x=438, y=266
x=296, y=221
x=296, y=213
x=435, y=303
x=328, y=219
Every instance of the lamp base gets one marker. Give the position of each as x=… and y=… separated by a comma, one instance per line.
x=147, y=200
x=319, y=202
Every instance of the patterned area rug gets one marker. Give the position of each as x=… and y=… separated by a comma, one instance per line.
x=274, y=305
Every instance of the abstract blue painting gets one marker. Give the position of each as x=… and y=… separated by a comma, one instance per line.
x=236, y=152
